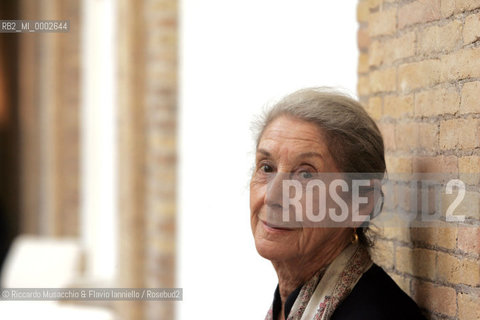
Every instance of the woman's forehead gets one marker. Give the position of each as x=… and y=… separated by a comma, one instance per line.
x=289, y=133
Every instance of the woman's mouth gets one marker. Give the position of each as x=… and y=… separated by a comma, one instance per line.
x=274, y=228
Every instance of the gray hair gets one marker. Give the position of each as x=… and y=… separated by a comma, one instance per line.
x=353, y=138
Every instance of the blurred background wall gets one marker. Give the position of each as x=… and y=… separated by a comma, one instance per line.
x=66, y=168
x=49, y=109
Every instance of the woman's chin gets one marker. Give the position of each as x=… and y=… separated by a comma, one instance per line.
x=269, y=250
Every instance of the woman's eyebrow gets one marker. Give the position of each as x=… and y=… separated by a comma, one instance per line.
x=309, y=155
x=264, y=152
x=300, y=156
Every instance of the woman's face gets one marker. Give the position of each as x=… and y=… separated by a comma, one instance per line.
x=288, y=148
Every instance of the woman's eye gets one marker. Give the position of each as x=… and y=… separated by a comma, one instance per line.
x=266, y=168
x=306, y=175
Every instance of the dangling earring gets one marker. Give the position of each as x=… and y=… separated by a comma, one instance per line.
x=354, y=236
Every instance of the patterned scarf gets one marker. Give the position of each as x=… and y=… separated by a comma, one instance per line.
x=320, y=296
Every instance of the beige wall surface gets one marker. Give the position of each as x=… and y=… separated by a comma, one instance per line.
x=419, y=72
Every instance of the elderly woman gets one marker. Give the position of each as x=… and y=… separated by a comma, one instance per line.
x=324, y=270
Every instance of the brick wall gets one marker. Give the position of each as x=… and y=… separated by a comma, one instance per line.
x=147, y=102
x=49, y=125
x=419, y=78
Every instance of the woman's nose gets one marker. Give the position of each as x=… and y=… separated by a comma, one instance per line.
x=274, y=194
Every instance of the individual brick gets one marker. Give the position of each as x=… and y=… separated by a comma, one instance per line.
x=462, y=64
x=398, y=164
x=411, y=135
x=398, y=106
x=446, y=235
x=439, y=38
x=385, y=52
x=435, y=297
x=404, y=260
x=420, y=74
x=372, y=4
x=437, y=164
x=417, y=262
x=374, y=107
x=388, y=133
x=470, y=134
x=470, y=97
x=448, y=133
x=469, y=169
x=469, y=239
x=457, y=270
x=363, y=39
x=363, y=63
x=427, y=136
x=363, y=11
x=419, y=11
x=403, y=46
x=376, y=53
x=461, y=133
x=363, y=86
x=469, y=306
x=406, y=135
x=382, y=22
x=466, y=5
x=471, y=29
x=436, y=102
x=442, y=234
x=447, y=8
x=427, y=235
x=383, y=80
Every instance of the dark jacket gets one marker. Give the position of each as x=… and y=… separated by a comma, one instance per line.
x=377, y=297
